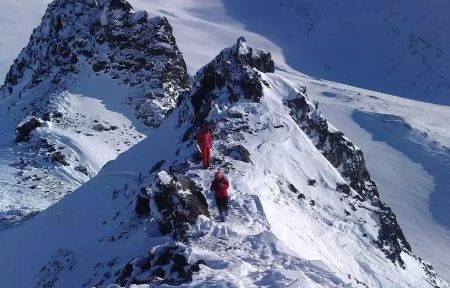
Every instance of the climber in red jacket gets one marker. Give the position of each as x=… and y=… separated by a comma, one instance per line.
x=220, y=186
x=204, y=140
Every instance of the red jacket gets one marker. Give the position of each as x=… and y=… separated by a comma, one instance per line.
x=220, y=187
x=204, y=139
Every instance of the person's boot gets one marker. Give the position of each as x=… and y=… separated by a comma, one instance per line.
x=222, y=216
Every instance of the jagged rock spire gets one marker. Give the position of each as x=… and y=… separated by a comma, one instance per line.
x=233, y=74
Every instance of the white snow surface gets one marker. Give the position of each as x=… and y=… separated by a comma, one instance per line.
x=271, y=238
x=89, y=100
x=202, y=28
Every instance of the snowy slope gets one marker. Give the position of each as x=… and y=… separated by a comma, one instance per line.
x=202, y=28
x=281, y=231
x=397, y=47
x=94, y=80
x=406, y=147
x=406, y=186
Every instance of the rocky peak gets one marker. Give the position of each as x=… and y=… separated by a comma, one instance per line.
x=248, y=56
x=234, y=74
x=106, y=36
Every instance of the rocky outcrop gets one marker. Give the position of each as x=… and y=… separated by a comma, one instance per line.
x=166, y=264
x=178, y=200
x=110, y=38
x=234, y=74
x=349, y=160
x=25, y=128
x=239, y=153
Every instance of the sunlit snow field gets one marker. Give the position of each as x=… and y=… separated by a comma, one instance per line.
x=411, y=172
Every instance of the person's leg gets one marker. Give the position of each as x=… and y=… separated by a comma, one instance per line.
x=220, y=207
x=225, y=205
x=207, y=156
x=204, y=157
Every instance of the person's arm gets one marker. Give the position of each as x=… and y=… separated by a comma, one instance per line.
x=210, y=140
x=224, y=184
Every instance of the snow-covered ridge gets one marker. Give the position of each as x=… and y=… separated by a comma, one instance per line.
x=284, y=228
x=95, y=79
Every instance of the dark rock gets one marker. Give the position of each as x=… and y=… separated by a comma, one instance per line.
x=240, y=153
x=259, y=59
x=391, y=239
x=301, y=196
x=312, y=203
x=120, y=4
x=82, y=169
x=99, y=66
x=47, y=116
x=293, y=188
x=179, y=201
x=311, y=182
x=343, y=187
x=60, y=158
x=99, y=127
x=102, y=128
x=233, y=113
x=163, y=264
x=137, y=50
x=157, y=166
x=25, y=129
x=142, y=207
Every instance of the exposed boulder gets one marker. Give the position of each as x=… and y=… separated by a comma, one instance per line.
x=166, y=264
x=25, y=128
x=142, y=207
x=240, y=153
x=59, y=158
x=82, y=169
x=179, y=201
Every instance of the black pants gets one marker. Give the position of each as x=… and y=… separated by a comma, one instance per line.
x=222, y=204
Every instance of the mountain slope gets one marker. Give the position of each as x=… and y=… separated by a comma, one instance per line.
x=283, y=229
x=409, y=186
x=93, y=81
x=401, y=46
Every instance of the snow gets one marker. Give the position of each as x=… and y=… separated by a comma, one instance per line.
x=95, y=231
x=411, y=174
x=202, y=28
x=88, y=100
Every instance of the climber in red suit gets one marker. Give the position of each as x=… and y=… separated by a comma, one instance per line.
x=220, y=188
x=204, y=140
